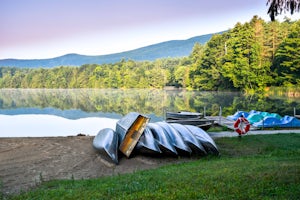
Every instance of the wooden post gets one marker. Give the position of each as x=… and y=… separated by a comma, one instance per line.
x=294, y=111
x=220, y=115
x=204, y=112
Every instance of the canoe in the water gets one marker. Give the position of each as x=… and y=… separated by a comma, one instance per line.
x=106, y=142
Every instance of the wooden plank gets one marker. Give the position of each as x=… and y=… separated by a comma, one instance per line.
x=133, y=134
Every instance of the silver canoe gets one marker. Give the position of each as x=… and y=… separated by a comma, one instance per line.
x=147, y=144
x=106, y=142
x=203, y=123
x=183, y=115
x=130, y=128
x=189, y=139
x=176, y=138
x=163, y=139
x=204, y=139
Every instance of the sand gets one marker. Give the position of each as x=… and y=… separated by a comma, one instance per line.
x=26, y=162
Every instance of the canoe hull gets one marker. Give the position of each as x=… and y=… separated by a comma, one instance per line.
x=190, y=139
x=147, y=144
x=130, y=129
x=175, y=138
x=183, y=115
x=106, y=142
x=163, y=139
x=207, y=142
x=205, y=124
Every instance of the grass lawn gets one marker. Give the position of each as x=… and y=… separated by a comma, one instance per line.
x=251, y=167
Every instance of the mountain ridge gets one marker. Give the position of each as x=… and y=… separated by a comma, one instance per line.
x=172, y=48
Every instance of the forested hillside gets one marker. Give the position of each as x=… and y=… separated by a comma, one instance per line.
x=249, y=57
x=168, y=49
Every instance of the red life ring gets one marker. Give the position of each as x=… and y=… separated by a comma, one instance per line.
x=241, y=125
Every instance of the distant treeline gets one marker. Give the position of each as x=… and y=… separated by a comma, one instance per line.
x=249, y=57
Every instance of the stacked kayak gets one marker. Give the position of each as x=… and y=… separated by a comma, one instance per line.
x=160, y=138
x=267, y=120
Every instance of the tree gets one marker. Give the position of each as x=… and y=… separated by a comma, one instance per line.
x=277, y=6
x=237, y=58
x=195, y=67
x=211, y=77
x=244, y=62
x=181, y=75
x=287, y=58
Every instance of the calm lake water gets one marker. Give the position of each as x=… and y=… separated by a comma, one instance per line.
x=61, y=112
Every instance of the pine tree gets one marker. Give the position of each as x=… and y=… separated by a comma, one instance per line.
x=287, y=58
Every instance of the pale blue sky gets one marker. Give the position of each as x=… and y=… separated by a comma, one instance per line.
x=49, y=28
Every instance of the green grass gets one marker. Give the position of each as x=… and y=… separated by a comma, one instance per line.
x=217, y=128
x=251, y=167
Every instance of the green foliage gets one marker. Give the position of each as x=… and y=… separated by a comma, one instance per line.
x=249, y=57
x=242, y=58
x=208, y=69
x=1, y=193
x=244, y=63
x=253, y=167
x=124, y=74
x=287, y=58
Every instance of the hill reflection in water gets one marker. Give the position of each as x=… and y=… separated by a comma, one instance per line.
x=49, y=125
x=73, y=106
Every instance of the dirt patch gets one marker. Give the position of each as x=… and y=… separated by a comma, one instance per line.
x=25, y=162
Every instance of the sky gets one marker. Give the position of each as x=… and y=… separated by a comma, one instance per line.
x=35, y=29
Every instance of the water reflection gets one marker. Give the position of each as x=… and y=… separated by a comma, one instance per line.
x=114, y=103
x=75, y=104
x=49, y=125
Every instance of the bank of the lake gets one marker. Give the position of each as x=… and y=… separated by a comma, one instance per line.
x=251, y=167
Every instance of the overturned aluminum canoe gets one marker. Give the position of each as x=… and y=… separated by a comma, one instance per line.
x=147, y=144
x=203, y=123
x=130, y=129
x=176, y=138
x=183, y=115
x=106, y=142
x=163, y=139
x=207, y=142
x=190, y=139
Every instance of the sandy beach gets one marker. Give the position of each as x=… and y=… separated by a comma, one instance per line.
x=25, y=162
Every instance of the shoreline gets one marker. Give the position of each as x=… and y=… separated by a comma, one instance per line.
x=212, y=134
x=25, y=162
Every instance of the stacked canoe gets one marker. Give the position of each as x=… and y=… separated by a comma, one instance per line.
x=189, y=118
x=134, y=133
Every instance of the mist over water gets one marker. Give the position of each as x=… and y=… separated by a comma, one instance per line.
x=67, y=112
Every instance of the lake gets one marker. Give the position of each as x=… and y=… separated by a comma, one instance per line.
x=63, y=112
